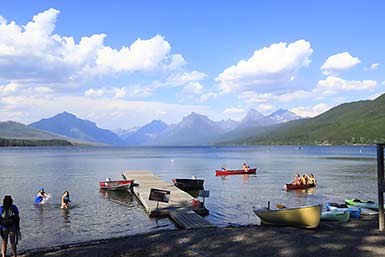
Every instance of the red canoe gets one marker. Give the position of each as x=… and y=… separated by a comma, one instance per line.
x=291, y=186
x=116, y=185
x=233, y=172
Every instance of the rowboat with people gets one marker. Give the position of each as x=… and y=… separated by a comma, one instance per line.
x=245, y=170
x=225, y=172
x=302, y=182
x=292, y=186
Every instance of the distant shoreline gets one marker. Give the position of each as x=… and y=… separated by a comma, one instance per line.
x=5, y=142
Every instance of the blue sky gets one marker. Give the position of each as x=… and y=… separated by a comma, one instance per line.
x=123, y=63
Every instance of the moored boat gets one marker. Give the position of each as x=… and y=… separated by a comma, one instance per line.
x=340, y=216
x=303, y=217
x=234, y=172
x=355, y=212
x=188, y=184
x=116, y=184
x=362, y=204
x=292, y=186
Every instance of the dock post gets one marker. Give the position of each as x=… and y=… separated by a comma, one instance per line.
x=381, y=185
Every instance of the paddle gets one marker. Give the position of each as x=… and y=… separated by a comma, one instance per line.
x=280, y=206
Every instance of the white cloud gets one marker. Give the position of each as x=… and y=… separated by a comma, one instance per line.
x=94, y=92
x=251, y=97
x=32, y=54
x=8, y=89
x=234, y=111
x=181, y=79
x=339, y=62
x=142, y=55
x=310, y=111
x=193, y=88
x=109, y=113
x=265, y=107
x=133, y=92
x=45, y=90
x=268, y=67
x=332, y=85
x=119, y=92
x=374, y=66
x=177, y=61
x=295, y=95
x=207, y=96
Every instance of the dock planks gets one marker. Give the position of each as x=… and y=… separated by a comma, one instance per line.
x=188, y=219
x=146, y=181
x=179, y=206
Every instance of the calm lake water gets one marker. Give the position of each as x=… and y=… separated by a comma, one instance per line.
x=342, y=172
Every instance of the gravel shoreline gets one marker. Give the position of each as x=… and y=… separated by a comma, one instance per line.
x=356, y=238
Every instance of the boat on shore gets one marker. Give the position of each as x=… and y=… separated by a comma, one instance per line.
x=234, y=172
x=302, y=217
x=292, y=186
x=362, y=204
x=188, y=184
x=340, y=216
x=355, y=212
x=116, y=185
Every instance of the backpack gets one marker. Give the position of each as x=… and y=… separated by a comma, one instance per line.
x=7, y=217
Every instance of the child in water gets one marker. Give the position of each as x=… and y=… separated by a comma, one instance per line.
x=65, y=200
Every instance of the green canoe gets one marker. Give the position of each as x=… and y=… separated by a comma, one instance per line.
x=341, y=216
x=362, y=204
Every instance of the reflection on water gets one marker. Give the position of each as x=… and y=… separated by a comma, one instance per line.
x=341, y=172
x=121, y=197
x=66, y=215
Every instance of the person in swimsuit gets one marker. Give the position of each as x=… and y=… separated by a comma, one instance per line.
x=65, y=200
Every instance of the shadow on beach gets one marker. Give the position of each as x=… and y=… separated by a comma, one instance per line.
x=356, y=238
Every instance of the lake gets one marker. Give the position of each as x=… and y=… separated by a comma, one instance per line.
x=342, y=172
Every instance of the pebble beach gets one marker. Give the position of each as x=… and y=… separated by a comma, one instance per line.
x=359, y=238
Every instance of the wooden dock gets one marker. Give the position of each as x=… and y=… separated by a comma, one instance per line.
x=178, y=208
x=188, y=219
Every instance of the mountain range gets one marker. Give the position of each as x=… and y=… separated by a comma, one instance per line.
x=145, y=134
x=194, y=129
x=71, y=126
x=16, y=134
x=360, y=122
x=197, y=129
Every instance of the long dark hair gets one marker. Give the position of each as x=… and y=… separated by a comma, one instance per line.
x=7, y=201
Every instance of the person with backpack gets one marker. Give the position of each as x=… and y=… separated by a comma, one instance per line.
x=9, y=225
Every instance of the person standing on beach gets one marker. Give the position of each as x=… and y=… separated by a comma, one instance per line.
x=9, y=225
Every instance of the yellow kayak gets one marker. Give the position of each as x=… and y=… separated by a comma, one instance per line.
x=303, y=217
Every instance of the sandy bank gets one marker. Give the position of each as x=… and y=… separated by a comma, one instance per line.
x=356, y=238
